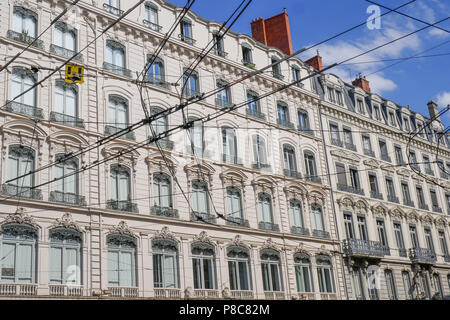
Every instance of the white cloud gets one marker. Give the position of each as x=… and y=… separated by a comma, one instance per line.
x=443, y=99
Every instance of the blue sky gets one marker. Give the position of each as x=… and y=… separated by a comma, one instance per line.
x=413, y=82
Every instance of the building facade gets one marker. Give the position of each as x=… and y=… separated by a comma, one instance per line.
x=125, y=228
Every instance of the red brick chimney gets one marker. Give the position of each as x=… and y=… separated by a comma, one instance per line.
x=362, y=83
x=316, y=62
x=274, y=32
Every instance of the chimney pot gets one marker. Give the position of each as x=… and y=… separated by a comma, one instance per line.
x=433, y=110
x=362, y=83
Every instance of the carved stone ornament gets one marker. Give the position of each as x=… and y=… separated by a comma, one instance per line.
x=237, y=241
x=165, y=233
x=123, y=229
x=20, y=217
x=269, y=244
x=427, y=219
x=203, y=237
x=226, y=293
x=440, y=222
x=379, y=210
x=397, y=213
x=349, y=156
x=346, y=202
x=403, y=172
x=362, y=205
x=188, y=292
x=67, y=222
x=371, y=163
x=412, y=216
x=388, y=168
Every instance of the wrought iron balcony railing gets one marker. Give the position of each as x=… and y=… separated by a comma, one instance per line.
x=369, y=152
x=401, y=163
x=187, y=39
x=409, y=203
x=278, y=75
x=109, y=130
x=204, y=217
x=164, y=212
x=152, y=26
x=11, y=190
x=447, y=257
x=158, y=82
x=337, y=143
x=429, y=171
x=24, y=109
x=121, y=71
x=423, y=206
x=285, y=123
x=232, y=159
x=292, y=174
x=188, y=92
x=350, y=146
x=236, y=221
x=321, y=234
x=220, y=53
x=65, y=53
x=256, y=114
x=307, y=131
x=402, y=252
x=67, y=120
x=386, y=158
x=376, y=195
x=68, y=198
x=269, y=226
x=422, y=255
x=223, y=102
x=164, y=143
x=368, y=248
x=115, y=11
x=415, y=167
x=23, y=37
x=300, y=231
x=261, y=166
x=314, y=179
x=392, y=198
x=125, y=205
x=437, y=209
x=249, y=64
x=351, y=189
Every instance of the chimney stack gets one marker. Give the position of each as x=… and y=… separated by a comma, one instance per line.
x=316, y=62
x=433, y=110
x=274, y=32
x=362, y=83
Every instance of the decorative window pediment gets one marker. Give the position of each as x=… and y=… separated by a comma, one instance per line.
x=67, y=222
x=349, y=156
x=122, y=229
x=20, y=217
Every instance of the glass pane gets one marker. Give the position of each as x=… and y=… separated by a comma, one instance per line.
x=243, y=276
x=233, y=275
x=126, y=269
x=197, y=274
x=157, y=271
x=7, y=261
x=113, y=268
x=275, y=277
x=208, y=273
x=24, y=262
x=17, y=22
x=58, y=37
x=71, y=267
x=170, y=272
x=55, y=267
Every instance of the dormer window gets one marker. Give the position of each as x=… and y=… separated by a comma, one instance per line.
x=339, y=99
x=391, y=118
x=296, y=76
x=407, y=127
x=331, y=96
x=376, y=111
x=276, y=69
x=420, y=128
x=186, y=32
x=360, y=106
x=151, y=14
x=247, y=57
x=218, y=45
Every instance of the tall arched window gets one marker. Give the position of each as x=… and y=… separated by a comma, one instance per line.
x=310, y=167
x=151, y=14
x=303, y=121
x=203, y=266
x=302, y=265
x=115, y=58
x=120, y=189
x=259, y=152
x=162, y=190
x=223, y=98
x=65, y=256
x=191, y=83
x=317, y=216
x=265, y=212
x=155, y=72
x=254, y=105
x=239, y=268
x=296, y=213
x=117, y=113
x=22, y=80
x=200, y=203
x=271, y=270
x=196, y=138
x=234, y=204
x=229, y=146
x=165, y=263
x=290, y=163
x=18, y=253
x=66, y=105
x=64, y=40
x=67, y=187
x=325, y=274
x=25, y=23
x=160, y=124
x=121, y=265
x=20, y=164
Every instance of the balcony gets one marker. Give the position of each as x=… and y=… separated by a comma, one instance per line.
x=285, y=123
x=422, y=255
x=242, y=294
x=67, y=120
x=110, y=130
x=231, y=159
x=414, y=166
x=164, y=212
x=256, y=114
x=351, y=189
x=23, y=37
x=152, y=26
x=269, y=226
x=67, y=198
x=278, y=75
x=386, y=158
x=261, y=166
x=429, y=171
x=125, y=205
x=364, y=248
x=190, y=93
x=292, y=174
x=393, y=199
x=65, y=53
x=223, y=103
x=206, y=293
x=124, y=292
x=115, y=11
x=350, y=146
x=369, y=153
x=314, y=179
x=16, y=289
x=63, y=290
x=249, y=64
x=307, y=131
x=337, y=142
x=423, y=206
x=220, y=53
x=447, y=257
x=376, y=195
x=164, y=143
x=437, y=209
x=24, y=109
x=300, y=231
x=157, y=82
x=402, y=252
x=203, y=217
x=237, y=221
x=409, y=203
x=164, y=293
x=321, y=234
x=274, y=295
x=121, y=71
x=401, y=163
x=187, y=39
x=14, y=191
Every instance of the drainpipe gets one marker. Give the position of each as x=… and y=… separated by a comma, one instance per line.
x=332, y=196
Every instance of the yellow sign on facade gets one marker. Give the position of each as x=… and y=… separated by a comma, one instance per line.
x=74, y=74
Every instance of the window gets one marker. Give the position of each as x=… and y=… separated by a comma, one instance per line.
x=413, y=161
x=407, y=285
x=65, y=256
x=341, y=174
x=366, y=144
x=276, y=69
x=18, y=253
x=335, y=137
x=348, y=222
x=360, y=105
x=303, y=120
x=186, y=31
x=204, y=266
x=296, y=76
x=120, y=183
x=254, y=108
x=196, y=141
x=371, y=282
x=331, y=96
x=67, y=172
x=247, y=57
x=398, y=235
x=155, y=73
x=151, y=14
x=398, y=155
x=234, y=203
x=420, y=128
x=340, y=101
x=390, y=281
x=115, y=54
x=362, y=228
x=302, y=266
x=447, y=198
x=162, y=190
x=348, y=138
x=434, y=200
x=354, y=179
x=442, y=172
x=382, y=233
x=325, y=274
x=295, y=210
x=443, y=242
x=160, y=124
x=316, y=210
x=407, y=127
x=218, y=44
x=391, y=118
x=427, y=165
x=420, y=197
x=121, y=260
x=229, y=146
x=270, y=265
x=426, y=284
x=65, y=38
x=20, y=163
x=259, y=150
x=383, y=149
x=290, y=163
x=358, y=283
x=200, y=202
x=310, y=166
x=165, y=263
x=376, y=109
x=283, y=113
x=437, y=285
x=117, y=112
x=239, y=268
x=22, y=80
x=66, y=102
x=25, y=22
x=429, y=239
x=405, y=192
x=373, y=183
x=223, y=98
x=413, y=235
x=265, y=208
x=190, y=83
x=390, y=189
